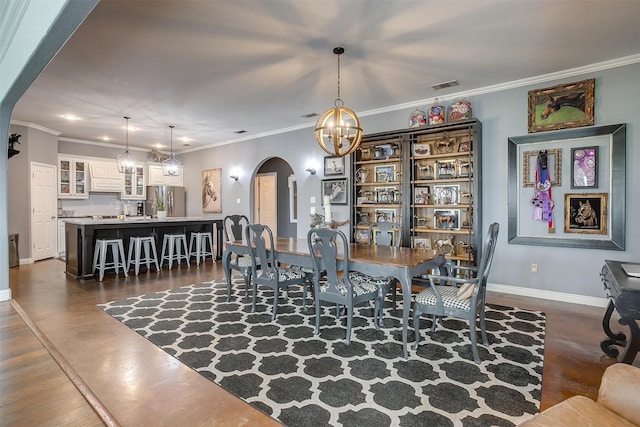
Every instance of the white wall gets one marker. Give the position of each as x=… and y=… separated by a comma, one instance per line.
x=503, y=113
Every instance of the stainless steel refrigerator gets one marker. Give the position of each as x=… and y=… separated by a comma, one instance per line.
x=175, y=200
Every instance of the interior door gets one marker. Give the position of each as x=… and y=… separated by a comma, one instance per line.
x=44, y=215
x=266, y=200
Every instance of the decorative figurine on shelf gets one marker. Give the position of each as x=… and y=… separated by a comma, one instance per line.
x=365, y=153
x=361, y=176
x=425, y=171
x=445, y=245
x=444, y=145
x=418, y=118
x=460, y=110
x=436, y=113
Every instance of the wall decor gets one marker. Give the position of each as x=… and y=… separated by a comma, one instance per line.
x=529, y=163
x=385, y=215
x=459, y=110
x=385, y=173
x=610, y=233
x=446, y=219
x=584, y=167
x=211, y=198
x=385, y=194
x=336, y=190
x=446, y=194
x=562, y=106
x=422, y=195
x=422, y=242
x=585, y=213
x=333, y=165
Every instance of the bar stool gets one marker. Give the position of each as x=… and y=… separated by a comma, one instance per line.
x=172, y=246
x=150, y=254
x=100, y=256
x=200, y=240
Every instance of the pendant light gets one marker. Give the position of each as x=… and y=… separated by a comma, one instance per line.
x=171, y=167
x=125, y=161
x=338, y=130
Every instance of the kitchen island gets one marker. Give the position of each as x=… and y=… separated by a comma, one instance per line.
x=81, y=233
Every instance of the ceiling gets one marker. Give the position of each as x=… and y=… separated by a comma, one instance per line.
x=212, y=68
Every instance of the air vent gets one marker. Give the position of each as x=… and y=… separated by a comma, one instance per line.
x=445, y=85
x=240, y=131
x=309, y=115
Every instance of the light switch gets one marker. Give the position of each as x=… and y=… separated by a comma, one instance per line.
x=312, y=200
x=238, y=201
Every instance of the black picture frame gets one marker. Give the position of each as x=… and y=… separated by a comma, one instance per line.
x=334, y=165
x=336, y=189
x=615, y=181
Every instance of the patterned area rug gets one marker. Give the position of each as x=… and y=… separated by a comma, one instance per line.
x=301, y=379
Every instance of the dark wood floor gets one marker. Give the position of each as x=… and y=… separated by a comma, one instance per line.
x=138, y=384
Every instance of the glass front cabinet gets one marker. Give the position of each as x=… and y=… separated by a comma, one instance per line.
x=134, y=185
x=427, y=180
x=72, y=178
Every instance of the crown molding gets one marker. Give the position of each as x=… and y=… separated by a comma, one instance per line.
x=102, y=144
x=35, y=126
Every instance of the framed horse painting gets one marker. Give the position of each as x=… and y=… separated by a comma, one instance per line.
x=585, y=213
x=562, y=106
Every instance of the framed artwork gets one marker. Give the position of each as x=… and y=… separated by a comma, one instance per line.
x=421, y=149
x=446, y=219
x=385, y=215
x=530, y=162
x=585, y=213
x=446, y=169
x=211, y=198
x=584, y=167
x=422, y=243
x=336, y=190
x=333, y=165
x=421, y=195
x=385, y=194
x=446, y=194
x=574, y=225
x=464, y=147
x=385, y=173
x=562, y=106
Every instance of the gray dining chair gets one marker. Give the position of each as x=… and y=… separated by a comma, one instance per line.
x=455, y=295
x=234, y=227
x=267, y=271
x=340, y=285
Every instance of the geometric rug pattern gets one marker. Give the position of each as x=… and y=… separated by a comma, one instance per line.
x=301, y=379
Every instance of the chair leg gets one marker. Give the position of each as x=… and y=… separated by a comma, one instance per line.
x=255, y=291
x=349, y=319
x=474, y=340
x=317, y=304
x=416, y=327
x=483, y=329
x=276, y=293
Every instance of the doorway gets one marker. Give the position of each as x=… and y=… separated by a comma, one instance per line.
x=44, y=225
x=272, y=198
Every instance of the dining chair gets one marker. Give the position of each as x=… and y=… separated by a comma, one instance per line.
x=384, y=234
x=234, y=227
x=340, y=285
x=457, y=296
x=267, y=270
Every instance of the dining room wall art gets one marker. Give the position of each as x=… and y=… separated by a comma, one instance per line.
x=211, y=197
x=562, y=106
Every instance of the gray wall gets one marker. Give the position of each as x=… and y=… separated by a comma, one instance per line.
x=503, y=114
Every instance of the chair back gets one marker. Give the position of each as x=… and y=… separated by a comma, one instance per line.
x=259, y=239
x=324, y=246
x=385, y=234
x=486, y=259
x=234, y=226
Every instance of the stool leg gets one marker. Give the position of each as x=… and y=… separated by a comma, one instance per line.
x=96, y=254
x=121, y=248
x=155, y=253
x=138, y=251
x=103, y=259
x=147, y=254
x=130, y=253
x=186, y=257
x=191, y=243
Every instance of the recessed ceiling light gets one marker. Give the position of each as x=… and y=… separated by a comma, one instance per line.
x=158, y=145
x=70, y=117
x=444, y=85
x=184, y=138
x=239, y=131
x=309, y=115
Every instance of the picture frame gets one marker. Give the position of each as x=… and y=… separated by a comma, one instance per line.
x=421, y=150
x=336, y=189
x=522, y=230
x=421, y=195
x=562, y=106
x=446, y=194
x=385, y=194
x=422, y=243
x=211, y=191
x=446, y=219
x=554, y=159
x=385, y=215
x=385, y=173
x=334, y=165
x=464, y=146
x=584, y=167
x=585, y=213
x=446, y=169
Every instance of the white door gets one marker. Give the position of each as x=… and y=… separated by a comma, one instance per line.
x=266, y=201
x=44, y=214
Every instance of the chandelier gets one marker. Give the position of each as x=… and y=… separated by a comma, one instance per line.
x=171, y=166
x=338, y=130
x=125, y=161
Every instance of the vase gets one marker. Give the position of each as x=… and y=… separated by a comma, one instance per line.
x=162, y=214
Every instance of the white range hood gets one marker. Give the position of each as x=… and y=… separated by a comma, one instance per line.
x=105, y=177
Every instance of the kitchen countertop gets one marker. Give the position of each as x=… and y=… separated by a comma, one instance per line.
x=134, y=219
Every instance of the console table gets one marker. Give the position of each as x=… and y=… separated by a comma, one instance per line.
x=624, y=296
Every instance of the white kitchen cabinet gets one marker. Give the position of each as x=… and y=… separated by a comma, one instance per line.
x=135, y=185
x=105, y=176
x=156, y=176
x=61, y=245
x=72, y=178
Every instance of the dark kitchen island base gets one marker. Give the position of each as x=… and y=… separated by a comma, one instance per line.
x=81, y=235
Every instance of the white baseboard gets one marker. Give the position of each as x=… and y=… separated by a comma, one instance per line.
x=26, y=261
x=5, y=294
x=549, y=295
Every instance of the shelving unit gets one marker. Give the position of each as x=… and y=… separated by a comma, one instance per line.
x=435, y=186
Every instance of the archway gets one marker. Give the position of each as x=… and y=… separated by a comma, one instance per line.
x=284, y=198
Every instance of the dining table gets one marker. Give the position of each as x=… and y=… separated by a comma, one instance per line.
x=400, y=263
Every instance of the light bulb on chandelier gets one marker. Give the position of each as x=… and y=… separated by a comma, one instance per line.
x=171, y=166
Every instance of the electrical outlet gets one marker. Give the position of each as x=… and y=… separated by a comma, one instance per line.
x=534, y=268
